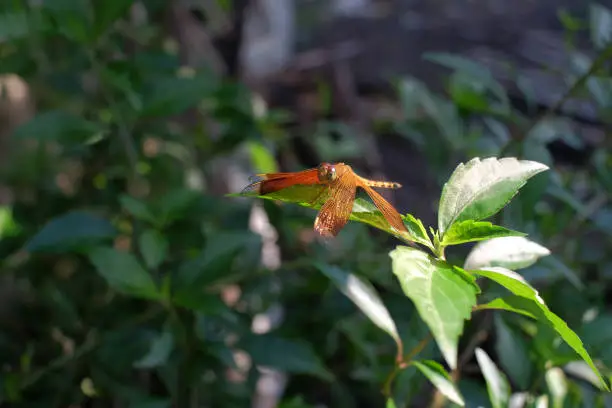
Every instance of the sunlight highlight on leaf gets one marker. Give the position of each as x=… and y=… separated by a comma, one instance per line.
x=480, y=188
x=508, y=252
x=364, y=296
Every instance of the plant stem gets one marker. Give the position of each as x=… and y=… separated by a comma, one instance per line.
x=404, y=363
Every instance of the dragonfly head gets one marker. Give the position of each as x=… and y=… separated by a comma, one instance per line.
x=327, y=172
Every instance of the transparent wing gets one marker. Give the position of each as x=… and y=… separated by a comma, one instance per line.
x=337, y=209
x=387, y=210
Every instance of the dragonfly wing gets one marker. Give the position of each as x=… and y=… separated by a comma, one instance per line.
x=270, y=183
x=387, y=210
x=337, y=209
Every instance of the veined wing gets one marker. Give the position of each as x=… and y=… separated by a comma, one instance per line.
x=269, y=183
x=337, y=209
x=387, y=210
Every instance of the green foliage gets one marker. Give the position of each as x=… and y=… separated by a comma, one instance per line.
x=73, y=231
x=430, y=283
x=440, y=379
x=127, y=280
x=123, y=272
x=444, y=294
x=497, y=383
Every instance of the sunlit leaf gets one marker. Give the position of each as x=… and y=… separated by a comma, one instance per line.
x=557, y=386
x=122, y=272
x=497, y=384
x=443, y=296
x=391, y=403
x=507, y=252
x=527, y=301
x=73, y=231
x=470, y=231
x=364, y=296
x=438, y=376
x=290, y=355
x=480, y=188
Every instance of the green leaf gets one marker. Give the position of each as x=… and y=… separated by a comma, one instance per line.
x=172, y=96
x=555, y=265
x=122, y=272
x=480, y=188
x=224, y=253
x=198, y=301
x=497, y=383
x=14, y=26
x=440, y=379
x=443, y=296
x=391, y=403
x=74, y=231
x=513, y=353
x=175, y=204
x=61, y=127
x=292, y=356
x=107, y=12
x=458, y=63
x=261, y=159
x=416, y=97
x=507, y=252
x=363, y=211
x=153, y=247
x=417, y=230
x=71, y=19
x=528, y=302
x=8, y=226
x=137, y=208
x=159, y=351
x=364, y=296
x=482, y=78
x=470, y=231
x=601, y=25
x=549, y=129
x=557, y=386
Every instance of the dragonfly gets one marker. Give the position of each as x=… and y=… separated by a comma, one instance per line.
x=340, y=184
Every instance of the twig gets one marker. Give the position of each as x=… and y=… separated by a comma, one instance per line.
x=404, y=363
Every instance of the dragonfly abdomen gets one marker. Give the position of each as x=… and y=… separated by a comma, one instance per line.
x=382, y=184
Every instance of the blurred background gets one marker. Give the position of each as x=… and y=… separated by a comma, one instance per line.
x=128, y=279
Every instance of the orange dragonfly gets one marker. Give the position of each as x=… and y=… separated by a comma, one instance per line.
x=341, y=182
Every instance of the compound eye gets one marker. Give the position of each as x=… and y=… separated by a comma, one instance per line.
x=326, y=172
x=331, y=173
